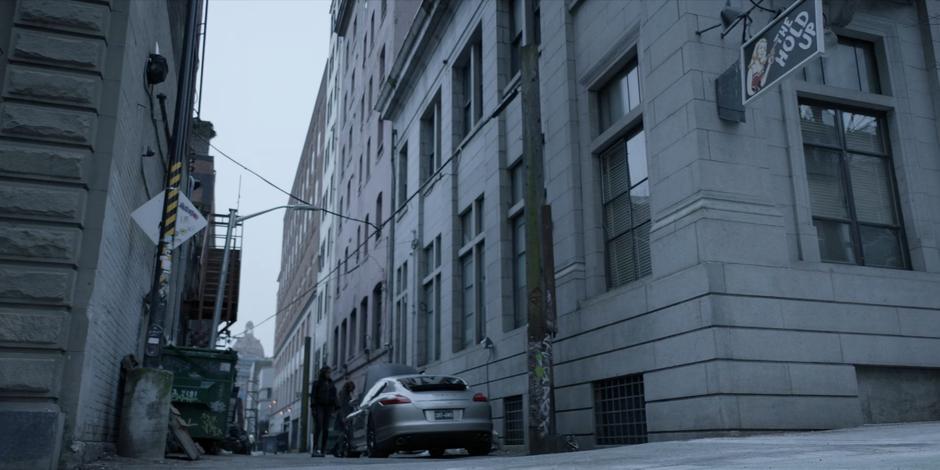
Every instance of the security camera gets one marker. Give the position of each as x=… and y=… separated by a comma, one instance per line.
x=487, y=343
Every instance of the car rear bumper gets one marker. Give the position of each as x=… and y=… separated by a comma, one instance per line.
x=442, y=440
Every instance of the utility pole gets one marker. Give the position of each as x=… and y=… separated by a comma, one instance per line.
x=539, y=331
x=305, y=396
x=223, y=278
x=183, y=113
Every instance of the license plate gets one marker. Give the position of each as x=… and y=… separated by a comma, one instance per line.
x=443, y=415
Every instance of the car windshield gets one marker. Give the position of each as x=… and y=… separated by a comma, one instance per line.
x=430, y=383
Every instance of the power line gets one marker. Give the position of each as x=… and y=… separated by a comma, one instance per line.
x=430, y=179
x=288, y=193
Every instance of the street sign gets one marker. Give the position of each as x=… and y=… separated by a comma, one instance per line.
x=188, y=219
x=789, y=41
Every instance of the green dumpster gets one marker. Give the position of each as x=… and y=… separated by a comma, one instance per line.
x=203, y=380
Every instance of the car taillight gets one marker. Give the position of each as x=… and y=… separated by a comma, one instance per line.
x=479, y=397
x=395, y=400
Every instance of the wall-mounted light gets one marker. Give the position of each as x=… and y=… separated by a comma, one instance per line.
x=157, y=69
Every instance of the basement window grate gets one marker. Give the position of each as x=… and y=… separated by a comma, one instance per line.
x=620, y=410
x=513, y=431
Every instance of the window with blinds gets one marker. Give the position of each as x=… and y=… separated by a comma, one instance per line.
x=852, y=187
x=625, y=188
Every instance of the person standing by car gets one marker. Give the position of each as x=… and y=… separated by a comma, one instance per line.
x=322, y=403
x=345, y=407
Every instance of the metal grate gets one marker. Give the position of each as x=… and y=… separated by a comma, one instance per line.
x=513, y=431
x=620, y=410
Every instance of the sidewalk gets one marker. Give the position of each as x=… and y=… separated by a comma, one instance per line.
x=896, y=446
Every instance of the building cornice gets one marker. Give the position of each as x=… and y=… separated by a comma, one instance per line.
x=342, y=12
x=420, y=35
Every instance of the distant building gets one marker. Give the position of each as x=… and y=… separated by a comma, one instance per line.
x=297, y=280
x=250, y=352
x=327, y=284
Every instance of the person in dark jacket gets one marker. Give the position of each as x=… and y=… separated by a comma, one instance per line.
x=345, y=408
x=322, y=403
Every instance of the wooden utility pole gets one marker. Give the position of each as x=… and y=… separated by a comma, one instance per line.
x=305, y=397
x=540, y=332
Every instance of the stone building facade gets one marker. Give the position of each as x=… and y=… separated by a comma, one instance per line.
x=76, y=123
x=713, y=278
x=300, y=263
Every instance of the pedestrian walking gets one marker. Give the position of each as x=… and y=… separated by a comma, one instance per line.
x=345, y=407
x=322, y=403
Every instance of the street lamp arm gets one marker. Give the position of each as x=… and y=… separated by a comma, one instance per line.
x=288, y=206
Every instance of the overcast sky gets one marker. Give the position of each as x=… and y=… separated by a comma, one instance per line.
x=263, y=63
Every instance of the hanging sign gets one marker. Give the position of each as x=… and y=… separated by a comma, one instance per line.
x=188, y=219
x=789, y=41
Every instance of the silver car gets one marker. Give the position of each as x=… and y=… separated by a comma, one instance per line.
x=420, y=412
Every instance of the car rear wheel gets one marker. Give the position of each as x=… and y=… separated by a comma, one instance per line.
x=479, y=450
x=436, y=452
x=372, y=445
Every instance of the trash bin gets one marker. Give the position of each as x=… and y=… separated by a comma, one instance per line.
x=203, y=380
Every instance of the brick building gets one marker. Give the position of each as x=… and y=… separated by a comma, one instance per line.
x=81, y=147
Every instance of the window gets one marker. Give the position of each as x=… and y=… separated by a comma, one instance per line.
x=516, y=22
x=401, y=313
x=513, y=421
x=517, y=225
x=378, y=217
x=620, y=411
x=618, y=96
x=343, y=331
x=852, y=187
x=379, y=139
x=519, y=297
x=360, y=176
x=468, y=297
x=403, y=175
x=382, y=65
x=365, y=244
x=472, y=319
x=429, y=326
x=352, y=333
x=364, y=329
x=851, y=64
x=377, y=314
x=431, y=138
x=468, y=89
x=384, y=7
x=625, y=191
x=358, y=243
x=370, y=93
x=372, y=31
x=362, y=111
x=368, y=159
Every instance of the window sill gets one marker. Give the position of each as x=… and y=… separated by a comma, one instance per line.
x=511, y=84
x=617, y=129
x=843, y=96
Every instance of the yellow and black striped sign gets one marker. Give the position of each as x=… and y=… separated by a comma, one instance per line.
x=172, y=201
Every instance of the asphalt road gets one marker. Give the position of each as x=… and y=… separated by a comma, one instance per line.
x=903, y=446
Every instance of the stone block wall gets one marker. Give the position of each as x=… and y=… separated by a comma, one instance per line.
x=74, y=118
